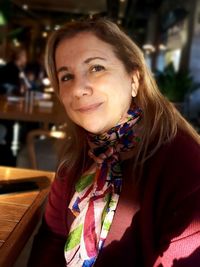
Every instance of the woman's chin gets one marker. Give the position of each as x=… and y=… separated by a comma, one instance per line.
x=95, y=129
x=97, y=126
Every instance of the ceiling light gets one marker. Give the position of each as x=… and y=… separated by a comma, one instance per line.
x=162, y=47
x=2, y=61
x=44, y=34
x=149, y=48
x=25, y=7
x=56, y=27
x=16, y=43
x=46, y=81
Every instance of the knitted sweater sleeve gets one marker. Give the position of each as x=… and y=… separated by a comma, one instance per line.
x=48, y=245
x=178, y=210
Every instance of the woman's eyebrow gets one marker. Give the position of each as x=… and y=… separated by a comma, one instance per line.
x=88, y=60
x=64, y=68
x=93, y=58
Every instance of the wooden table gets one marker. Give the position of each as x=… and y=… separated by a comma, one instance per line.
x=20, y=212
x=19, y=111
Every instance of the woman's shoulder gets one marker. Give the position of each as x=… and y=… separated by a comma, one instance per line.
x=184, y=141
x=184, y=152
x=175, y=164
x=183, y=148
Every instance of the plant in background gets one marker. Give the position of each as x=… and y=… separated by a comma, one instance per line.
x=175, y=85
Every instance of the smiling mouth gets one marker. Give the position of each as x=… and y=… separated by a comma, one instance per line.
x=89, y=108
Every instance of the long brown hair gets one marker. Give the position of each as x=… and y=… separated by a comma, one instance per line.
x=160, y=118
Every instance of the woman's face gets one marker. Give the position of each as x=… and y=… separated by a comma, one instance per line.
x=93, y=83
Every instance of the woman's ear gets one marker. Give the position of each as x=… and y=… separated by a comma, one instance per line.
x=135, y=83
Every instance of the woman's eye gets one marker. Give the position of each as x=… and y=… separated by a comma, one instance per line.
x=66, y=77
x=97, y=68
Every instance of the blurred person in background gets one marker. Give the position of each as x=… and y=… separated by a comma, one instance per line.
x=11, y=80
x=127, y=192
x=35, y=72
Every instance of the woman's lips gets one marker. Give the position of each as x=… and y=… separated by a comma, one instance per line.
x=88, y=108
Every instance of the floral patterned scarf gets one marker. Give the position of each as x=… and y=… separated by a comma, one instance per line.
x=97, y=191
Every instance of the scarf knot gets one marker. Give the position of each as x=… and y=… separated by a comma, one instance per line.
x=120, y=138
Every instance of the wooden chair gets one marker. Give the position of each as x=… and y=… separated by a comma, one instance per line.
x=48, y=141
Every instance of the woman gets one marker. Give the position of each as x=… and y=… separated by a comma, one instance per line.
x=10, y=74
x=128, y=191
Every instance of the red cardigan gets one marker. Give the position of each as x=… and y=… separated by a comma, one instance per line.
x=159, y=227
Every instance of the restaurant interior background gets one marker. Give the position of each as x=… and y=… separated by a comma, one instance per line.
x=167, y=31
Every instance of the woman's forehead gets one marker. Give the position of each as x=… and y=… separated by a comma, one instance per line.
x=84, y=44
x=83, y=38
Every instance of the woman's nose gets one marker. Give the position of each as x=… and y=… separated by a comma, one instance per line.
x=82, y=86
